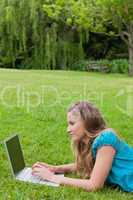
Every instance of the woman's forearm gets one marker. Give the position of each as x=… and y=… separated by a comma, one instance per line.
x=68, y=168
x=80, y=183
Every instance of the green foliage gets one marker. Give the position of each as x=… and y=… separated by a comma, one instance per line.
x=47, y=34
x=119, y=13
x=32, y=33
x=122, y=10
x=119, y=66
x=71, y=12
x=80, y=65
x=115, y=66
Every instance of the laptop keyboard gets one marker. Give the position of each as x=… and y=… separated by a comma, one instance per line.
x=26, y=174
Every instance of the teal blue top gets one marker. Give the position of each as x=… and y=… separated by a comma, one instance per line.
x=121, y=173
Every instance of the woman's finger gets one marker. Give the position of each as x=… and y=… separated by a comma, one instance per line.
x=41, y=164
x=35, y=169
x=44, y=164
x=35, y=174
x=36, y=165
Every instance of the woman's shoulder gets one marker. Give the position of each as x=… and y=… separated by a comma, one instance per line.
x=106, y=134
x=104, y=138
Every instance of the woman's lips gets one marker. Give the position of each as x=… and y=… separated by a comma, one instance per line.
x=71, y=134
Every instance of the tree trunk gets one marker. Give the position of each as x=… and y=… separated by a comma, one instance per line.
x=130, y=48
x=127, y=37
x=130, y=61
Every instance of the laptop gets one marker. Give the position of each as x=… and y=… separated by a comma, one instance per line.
x=17, y=163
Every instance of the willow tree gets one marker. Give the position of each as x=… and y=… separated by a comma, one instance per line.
x=8, y=28
x=41, y=34
x=51, y=34
x=13, y=30
x=72, y=18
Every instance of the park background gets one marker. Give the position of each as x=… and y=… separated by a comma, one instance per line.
x=53, y=53
x=60, y=34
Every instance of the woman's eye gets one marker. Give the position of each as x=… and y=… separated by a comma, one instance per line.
x=72, y=123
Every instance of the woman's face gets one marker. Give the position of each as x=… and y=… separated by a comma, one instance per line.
x=75, y=125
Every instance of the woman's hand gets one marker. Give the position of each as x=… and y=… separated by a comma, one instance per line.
x=43, y=172
x=49, y=167
x=59, y=169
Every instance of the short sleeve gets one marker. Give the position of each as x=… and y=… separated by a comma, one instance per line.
x=107, y=138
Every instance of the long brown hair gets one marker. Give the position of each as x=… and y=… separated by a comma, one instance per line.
x=93, y=123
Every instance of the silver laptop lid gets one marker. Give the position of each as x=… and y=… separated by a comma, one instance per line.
x=15, y=154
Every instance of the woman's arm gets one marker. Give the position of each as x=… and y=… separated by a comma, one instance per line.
x=99, y=173
x=67, y=168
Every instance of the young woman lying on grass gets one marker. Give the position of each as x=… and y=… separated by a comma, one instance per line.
x=101, y=157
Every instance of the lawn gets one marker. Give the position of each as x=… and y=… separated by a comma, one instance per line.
x=34, y=105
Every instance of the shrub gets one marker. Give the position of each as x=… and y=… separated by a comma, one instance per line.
x=119, y=66
x=115, y=66
x=80, y=65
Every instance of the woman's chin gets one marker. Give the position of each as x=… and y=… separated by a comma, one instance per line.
x=74, y=138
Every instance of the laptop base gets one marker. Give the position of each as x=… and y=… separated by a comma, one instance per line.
x=26, y=176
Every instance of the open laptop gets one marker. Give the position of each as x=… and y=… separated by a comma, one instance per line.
x=18, y=167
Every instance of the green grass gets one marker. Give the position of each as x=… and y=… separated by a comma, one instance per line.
x=42, y=128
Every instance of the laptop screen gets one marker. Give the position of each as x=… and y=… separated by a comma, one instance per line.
x=15, y=154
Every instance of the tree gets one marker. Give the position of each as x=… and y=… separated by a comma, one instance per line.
x=52, y=33
x=112, y=17
x=119, y=15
